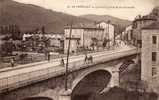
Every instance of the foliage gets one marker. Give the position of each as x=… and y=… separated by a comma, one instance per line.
x=155, y=11
x=7, y=48
x=11, y=32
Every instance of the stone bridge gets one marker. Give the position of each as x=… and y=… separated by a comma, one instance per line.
x=91, y=78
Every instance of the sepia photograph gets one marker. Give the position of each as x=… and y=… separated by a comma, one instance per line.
x=79, y=50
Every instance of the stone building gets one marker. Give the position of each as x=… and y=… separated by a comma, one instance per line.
x=109, y=30
x=150, y=56
x=138, y=24
x=82, y=36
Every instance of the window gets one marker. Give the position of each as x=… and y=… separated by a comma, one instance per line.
x=154, y=56
x=154, y=71
x=154, y=39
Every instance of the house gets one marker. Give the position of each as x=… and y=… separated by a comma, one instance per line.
x=138, y=24
x=56, y=39
x=150, y=56
x=82, y=36
x=108, y=30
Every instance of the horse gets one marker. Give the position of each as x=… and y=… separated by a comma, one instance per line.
x=89, y=59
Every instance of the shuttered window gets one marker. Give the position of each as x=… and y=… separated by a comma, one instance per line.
x=154, y=71
x=154, y=56
x=154, y=39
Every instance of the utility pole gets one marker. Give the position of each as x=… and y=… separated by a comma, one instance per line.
x=114, y=37
x=108, y=35
x=68, y=52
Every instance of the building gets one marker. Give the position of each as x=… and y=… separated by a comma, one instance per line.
x=108, y=30
x=56, y=39
x=150, y=56
x=138, y=24
x=82, y=36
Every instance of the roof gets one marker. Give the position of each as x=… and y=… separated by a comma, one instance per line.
x=154, y=25
x=84, y=26
x=98, y=22
x=145, y=18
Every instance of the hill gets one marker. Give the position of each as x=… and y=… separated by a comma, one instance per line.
x=29, y=17
x=113, y=20
x=121, y=23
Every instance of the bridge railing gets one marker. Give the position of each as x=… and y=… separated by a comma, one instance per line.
x=15, y=81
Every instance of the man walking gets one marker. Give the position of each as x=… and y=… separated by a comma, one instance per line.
x=85, y=60
x=49, y=56
x=62, y=62
x=12, y=61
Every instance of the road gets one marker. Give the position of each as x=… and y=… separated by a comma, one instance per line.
x=19, y=75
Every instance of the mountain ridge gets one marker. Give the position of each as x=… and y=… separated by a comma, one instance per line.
x=30, y=17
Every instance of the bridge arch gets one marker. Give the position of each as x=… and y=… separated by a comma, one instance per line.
x=90, y=82
x=85, y=73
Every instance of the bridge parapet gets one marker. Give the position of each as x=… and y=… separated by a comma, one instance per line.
x=19, y=80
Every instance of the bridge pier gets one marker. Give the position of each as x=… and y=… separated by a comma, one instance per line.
x=65, y=94
x=115, y=78
x=113, y=82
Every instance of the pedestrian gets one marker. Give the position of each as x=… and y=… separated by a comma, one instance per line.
x=86, y=58
x=91, y=58
x=12, y=61
x=62, y=62
x=48, y=56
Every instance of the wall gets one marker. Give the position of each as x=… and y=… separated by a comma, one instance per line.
x=108, y=30
x=84, y=35
x=76, y=33
x=92, y=33
x=146, y=56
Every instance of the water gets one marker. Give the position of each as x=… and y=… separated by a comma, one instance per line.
x=38, y=98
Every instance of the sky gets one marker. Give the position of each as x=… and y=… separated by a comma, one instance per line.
x=124, y=9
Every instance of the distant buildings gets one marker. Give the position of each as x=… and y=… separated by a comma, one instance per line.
x=150, y=56
x=56, y=39
x=82, y=36
x=89, y=36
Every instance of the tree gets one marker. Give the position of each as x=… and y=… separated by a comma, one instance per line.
x=7, y=48
x=15, y=32
x=155, y=11
x=43, y=30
